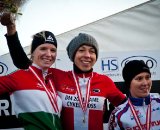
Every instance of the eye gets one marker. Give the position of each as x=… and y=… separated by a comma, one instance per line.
x=148, y=77
x=53, y=50
x=139, y=78
x=43, y=48
x=92, y=51
x=81, y=50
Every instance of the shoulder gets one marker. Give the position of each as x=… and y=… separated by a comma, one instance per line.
x=55, y=70
x=57, y=73
x=155, y=98
x=121, y=109
x=18, y=75
x=19, y=72
x=102, y=77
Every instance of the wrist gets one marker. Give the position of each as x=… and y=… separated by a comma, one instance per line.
x=11, y=29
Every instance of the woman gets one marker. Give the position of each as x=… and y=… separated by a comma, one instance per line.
x=141, y=111
x=89, y=87
x=83, y=92
x=32, y=92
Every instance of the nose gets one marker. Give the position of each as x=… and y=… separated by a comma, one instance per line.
x=87, y=54
x=48, y=53
x=145, y=81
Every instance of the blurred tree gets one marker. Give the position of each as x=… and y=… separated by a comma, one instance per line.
x=11, y=6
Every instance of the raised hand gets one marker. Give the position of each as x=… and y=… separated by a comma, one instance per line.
x=7, y=19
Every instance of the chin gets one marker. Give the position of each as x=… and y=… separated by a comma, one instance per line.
x=46, y=66
x=145, y=95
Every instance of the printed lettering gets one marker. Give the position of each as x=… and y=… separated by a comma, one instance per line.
x=75, y=99
x=68, y=97
x=93, y=100
x=4, y=105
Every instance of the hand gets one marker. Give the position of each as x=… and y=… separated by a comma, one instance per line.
x=7, y=19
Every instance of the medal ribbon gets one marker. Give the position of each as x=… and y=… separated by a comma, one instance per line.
x=85, y=103
x=148, y=116
x=51, y=95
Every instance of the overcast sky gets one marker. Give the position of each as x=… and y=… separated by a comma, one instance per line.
x=60, y=16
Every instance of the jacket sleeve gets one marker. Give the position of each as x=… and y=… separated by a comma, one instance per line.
x=114, y=95
x=7, y=84
x=113, y=122
x=19, y=57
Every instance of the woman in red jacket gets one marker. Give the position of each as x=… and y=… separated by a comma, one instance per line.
x=32, y=92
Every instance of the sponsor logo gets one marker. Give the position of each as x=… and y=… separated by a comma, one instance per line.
x=96, y=90
x=137, y=113
x=39, y=85
x=149, y=61
x=50, y=39
x=3, y=69
x=68, y=89
x=109, y=64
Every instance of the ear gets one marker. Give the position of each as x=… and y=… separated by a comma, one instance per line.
x=32, y=56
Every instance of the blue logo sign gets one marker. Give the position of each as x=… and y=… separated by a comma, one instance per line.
x=3, y=69
x=109, y=64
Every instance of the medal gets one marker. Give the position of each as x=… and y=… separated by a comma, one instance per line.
x=83, y=104
x=148, y=116
x=84, y=118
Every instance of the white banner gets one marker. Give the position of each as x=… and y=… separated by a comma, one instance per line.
x=112, y=63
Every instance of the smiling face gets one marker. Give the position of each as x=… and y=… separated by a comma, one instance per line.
x=85, y=57
x=44, y=55
x=141, y=85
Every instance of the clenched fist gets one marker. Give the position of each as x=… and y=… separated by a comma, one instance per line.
x=7, y=19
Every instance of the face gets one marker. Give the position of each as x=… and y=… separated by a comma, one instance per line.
x=141, y=85
x=44, y=55
x=85, y=57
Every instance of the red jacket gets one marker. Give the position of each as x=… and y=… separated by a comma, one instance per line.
x=101, y=88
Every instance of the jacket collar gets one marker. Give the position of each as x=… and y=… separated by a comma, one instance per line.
x=140, y=101
x=45, y=74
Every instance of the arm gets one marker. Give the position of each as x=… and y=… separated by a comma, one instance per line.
x=113, y=122
x=115, y=96
x=6, y=84
x=17, y=53
x=19, y=57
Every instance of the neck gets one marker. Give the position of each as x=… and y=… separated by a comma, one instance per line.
x=79, y=71
x=43, y=70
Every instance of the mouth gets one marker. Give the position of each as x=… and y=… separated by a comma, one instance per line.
x=144, y=89
x=86, y=62
x=47, y=60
